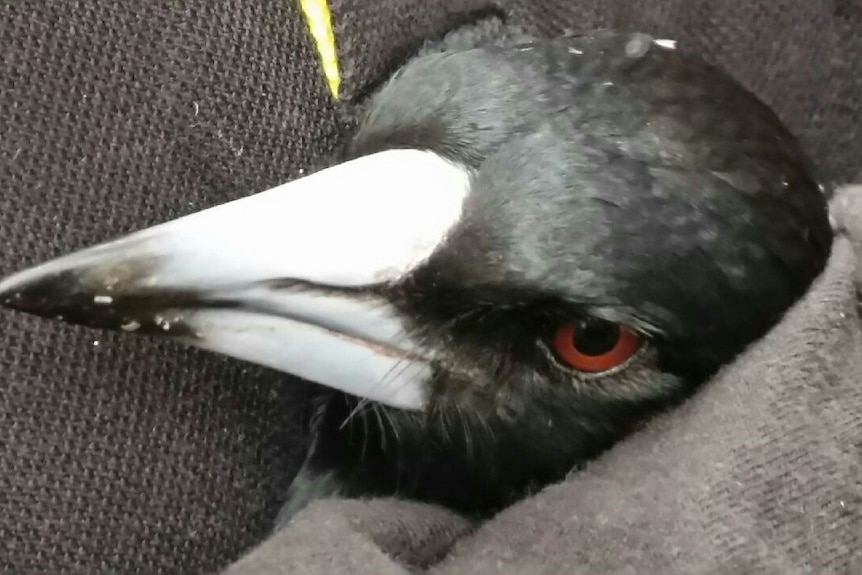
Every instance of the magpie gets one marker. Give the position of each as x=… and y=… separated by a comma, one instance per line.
x=525, y=251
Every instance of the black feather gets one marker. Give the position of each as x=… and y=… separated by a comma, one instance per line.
x=614, y=178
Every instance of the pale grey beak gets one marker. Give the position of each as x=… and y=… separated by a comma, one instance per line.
x=279, y=278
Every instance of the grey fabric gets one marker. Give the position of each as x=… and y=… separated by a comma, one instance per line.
x=141, y=456
x=759, y=473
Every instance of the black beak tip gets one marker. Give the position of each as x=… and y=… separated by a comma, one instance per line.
x=15, y=293
x=69, y=298
x=57, y=297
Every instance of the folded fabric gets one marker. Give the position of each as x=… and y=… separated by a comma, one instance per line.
x=761, y=472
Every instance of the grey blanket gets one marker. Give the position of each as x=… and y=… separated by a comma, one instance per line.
x=759, y=473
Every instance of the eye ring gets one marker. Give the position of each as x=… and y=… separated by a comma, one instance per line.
x=595, y=346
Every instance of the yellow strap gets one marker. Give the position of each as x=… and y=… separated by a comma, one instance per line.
x=319, y=21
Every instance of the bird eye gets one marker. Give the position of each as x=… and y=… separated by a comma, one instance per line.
x=593, y=345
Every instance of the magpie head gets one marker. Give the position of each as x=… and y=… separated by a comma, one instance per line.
x=635, y=218
x=535, y=243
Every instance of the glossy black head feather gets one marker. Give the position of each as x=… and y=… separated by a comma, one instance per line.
x=618, y=175
x=613, y=177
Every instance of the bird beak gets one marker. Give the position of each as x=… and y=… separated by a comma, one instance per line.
x=285, y=278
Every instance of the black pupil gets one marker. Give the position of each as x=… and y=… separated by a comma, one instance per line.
x=595, y=337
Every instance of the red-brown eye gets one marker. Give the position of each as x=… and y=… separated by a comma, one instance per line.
x=594, y=345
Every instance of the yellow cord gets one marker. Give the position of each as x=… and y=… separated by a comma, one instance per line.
x=319, y=20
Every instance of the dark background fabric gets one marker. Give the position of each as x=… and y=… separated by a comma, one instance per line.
x=121, y=454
